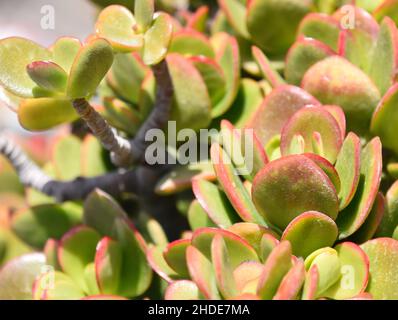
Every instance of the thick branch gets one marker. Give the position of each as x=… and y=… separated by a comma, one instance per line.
x=119, y=147
x=32, y=176
x=160, y=114
x=29, y=173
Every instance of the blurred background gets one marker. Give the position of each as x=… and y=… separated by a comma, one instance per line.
x=43, y=21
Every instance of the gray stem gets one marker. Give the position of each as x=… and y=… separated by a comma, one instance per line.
x=118, y=146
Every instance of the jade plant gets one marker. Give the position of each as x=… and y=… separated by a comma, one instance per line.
x=296, y=196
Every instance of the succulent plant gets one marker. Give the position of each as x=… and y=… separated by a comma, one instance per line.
x=297, y=198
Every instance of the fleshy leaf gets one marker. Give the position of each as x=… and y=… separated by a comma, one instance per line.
x=192, y=103
x=45, y=113
x=354, y=270
x=182, y=290
x=215, y=203
x=89, y=68
x=101, y=212
x=238, y=248
x=182, y=177
x=108, y=263
x=36, y=224
x=191, y=43
x=93, y=160
x=18, y=275
x=310, y=231
x=292, y=282
x=302, y=55
x=348, y=168
x=16, y=53
x=247, y=101
x=64, y=52
x=390, y=218
x=223, y=268
x=276, y=110
x=213, y=77
x=157, y=39
x=252, y=233
x=235, y=12
x=143, y=11
x=198, y=217
x=322, y=28
x=336, y=81
x=246, y=277
x=305, y=123
x=76, y=251
x=228, y=57
x=48, y=75
x=372, y=223
x=383, y=258
x=201, y=271
x=115, y=23
x=384, y=118
x=175, y=256
x=65, y=152
x=276, y=267
x=289, y=186
x=383, y=69
x=272, y=76
x=351, y=218
x=279, y=18
x=233, y=186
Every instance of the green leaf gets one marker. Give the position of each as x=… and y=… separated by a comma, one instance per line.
x=36, y=224
x=346, y=86
x=201, y=271
x=45, y=113
x=108, y=264
x=222, y=268
x=64, y=52
x=384, y=64
x=17, y=276
x=383, y=258
x=198, y=217
x=348, y=167
x=175, y=256
x=182, y=290
x=268, y=72
x=310, y=123
x=289, y=186
x=352, y=218
x=292, y=282
x=390, y=217
x=48, y=75
x=322, y=28
x=89, y=68
x=192, y=103
x=228, y=57
x=126, y=75
x=386, y=8
x=302, y=55
x=280, y=19
x=310, y=231
x=16, y=53
x=93, y=160
x=276, y=109
x=66, y=155
x=354, y=270
x=116, y=24
x=384, y=118
x=213, y=77
x=215, y=203
x=143, y=11
x=276, y=267
x=233, y=186
x=189, y=42
x=248, y=100
x=77, y=250
x=101, y=212
x=235, y=12
x=157, y=39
